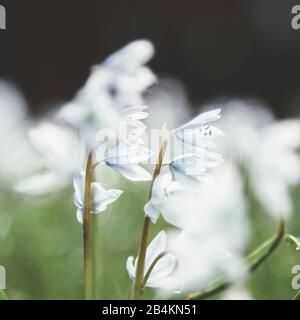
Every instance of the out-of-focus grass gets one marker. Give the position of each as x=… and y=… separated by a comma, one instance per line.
x=42, y=251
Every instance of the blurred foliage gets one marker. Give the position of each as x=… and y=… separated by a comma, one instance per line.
x=41, y=247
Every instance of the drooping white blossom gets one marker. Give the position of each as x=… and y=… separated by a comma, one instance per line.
x=100, y=198
x=125, y=159
x=161, y=272
x=198, y=133
x=169, y=102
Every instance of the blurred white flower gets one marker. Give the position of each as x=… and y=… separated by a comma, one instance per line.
x=216, y=231
x=266, y=148
x=17, y=157
x=169, y=102
x=62, y=155
x=161, y=272
x=119, y=82
x=100, y=198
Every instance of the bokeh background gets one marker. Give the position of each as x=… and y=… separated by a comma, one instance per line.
x=215, y=48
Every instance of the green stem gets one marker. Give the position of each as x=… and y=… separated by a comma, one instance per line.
x=3, y=296
x=221, y=284
x=138, y=290
x=88, y=275
x=274, y=244
x=153, y=264
x=297, y=296
x=94, y=228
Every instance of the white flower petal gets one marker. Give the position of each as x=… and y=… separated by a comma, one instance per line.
x=152, y=211
x=78, y=183
x=155, y=248
x=131, y=172
x=126, y=153
x=132, y=56
x=163, y=268
x=79, y=215
x=102, y=199
x=200, y=137
x=130, y=267
x=202, y=119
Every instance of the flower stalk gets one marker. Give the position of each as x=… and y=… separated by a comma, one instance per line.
x=87, y=237
x=138, y=289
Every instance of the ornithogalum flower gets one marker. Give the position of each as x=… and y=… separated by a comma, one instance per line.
x=198, y=133
x=191, y=169
x=100, y=197
x=125, y=158
x=164, y=266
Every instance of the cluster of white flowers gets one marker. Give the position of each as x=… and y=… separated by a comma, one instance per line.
x=112, y=95
x=198, y=193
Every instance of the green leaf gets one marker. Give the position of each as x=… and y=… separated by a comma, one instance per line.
x=290, y=239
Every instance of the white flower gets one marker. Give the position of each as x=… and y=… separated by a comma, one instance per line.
x=162, y=270
x=163, y=188
x=191, y=169
x=276, y=167
x=169, y=102
x=117, y=83
x=198, y=133
x=62, y=155
x=17, y=157
x=134, y=127
x=267, y=150
x=125, y=159
x=101, y=198
x=216, y=231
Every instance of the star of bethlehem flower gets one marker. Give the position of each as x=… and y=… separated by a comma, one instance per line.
x=162, y=270
x=100, y=197
x=125, y=159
